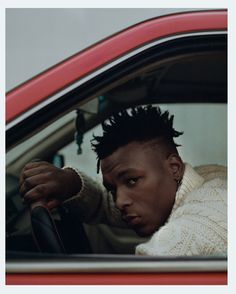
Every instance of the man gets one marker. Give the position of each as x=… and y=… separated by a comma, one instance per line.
x=147, y=187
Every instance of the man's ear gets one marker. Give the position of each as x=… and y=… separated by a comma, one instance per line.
x=176, y=166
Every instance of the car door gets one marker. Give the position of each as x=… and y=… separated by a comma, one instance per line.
x=177, y=61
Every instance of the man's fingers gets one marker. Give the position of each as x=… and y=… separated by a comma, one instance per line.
x=39, y=180
x=33, y=181
x=40, y=192
x=36, y=193
x=33, y=164
x=53, y=203
x=32, y=169
x=43, y=180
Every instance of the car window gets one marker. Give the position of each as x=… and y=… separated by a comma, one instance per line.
x=196, y=97
x=204, y=126
x=204, y=142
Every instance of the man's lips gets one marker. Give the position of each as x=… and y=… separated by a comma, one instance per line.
x=132, y=219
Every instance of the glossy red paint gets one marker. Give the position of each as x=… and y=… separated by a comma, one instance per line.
x=118, y=279
x=62, y=75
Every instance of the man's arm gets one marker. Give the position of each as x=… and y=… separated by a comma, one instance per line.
x=42, y=181
x=93, y=203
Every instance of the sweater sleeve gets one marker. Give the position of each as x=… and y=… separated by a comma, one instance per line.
x=93, y=204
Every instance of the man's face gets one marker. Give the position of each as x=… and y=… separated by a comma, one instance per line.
x=142, y=182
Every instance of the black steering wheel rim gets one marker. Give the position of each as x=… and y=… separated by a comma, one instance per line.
x=44, y=230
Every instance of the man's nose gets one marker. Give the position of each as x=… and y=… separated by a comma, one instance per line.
x=122, y=199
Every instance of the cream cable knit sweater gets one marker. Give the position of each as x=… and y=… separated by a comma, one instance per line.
x=197, y=224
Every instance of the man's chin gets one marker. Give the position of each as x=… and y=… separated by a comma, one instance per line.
x=144, y=232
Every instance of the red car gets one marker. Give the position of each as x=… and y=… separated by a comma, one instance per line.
x=178, y=61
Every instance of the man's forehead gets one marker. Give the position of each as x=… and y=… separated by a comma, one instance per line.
x=136, y=146
x=127, y=156
x=123, y=153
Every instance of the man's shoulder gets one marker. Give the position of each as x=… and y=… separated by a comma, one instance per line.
x=207, y=201
x=217, y=184
x=214, y=187
x=212, y=171
x=211, y=192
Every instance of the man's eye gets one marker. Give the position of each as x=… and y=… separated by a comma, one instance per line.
x=132, y=181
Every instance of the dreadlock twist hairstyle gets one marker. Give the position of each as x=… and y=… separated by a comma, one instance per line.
x=143, y=123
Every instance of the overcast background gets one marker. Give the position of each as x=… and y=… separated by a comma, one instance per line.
x=37, y=38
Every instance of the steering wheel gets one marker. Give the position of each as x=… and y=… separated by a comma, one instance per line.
x=47, y=236
x=45, y=233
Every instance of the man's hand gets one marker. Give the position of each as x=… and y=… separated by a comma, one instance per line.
x=42, y=181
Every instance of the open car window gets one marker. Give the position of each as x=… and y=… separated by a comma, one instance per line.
x=188, y=77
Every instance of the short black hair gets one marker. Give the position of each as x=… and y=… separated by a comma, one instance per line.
x=141, y=124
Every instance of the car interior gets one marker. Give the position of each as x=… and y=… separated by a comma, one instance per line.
x=187, y=77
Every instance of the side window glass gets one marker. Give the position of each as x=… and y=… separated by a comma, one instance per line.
x=204, y=126
x=86, y=161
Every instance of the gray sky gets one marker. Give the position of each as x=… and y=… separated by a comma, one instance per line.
x=37, y=38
